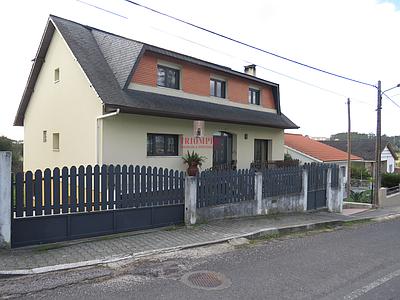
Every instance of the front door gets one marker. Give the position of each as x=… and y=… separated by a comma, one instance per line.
x=219, y=150
x=222, y=149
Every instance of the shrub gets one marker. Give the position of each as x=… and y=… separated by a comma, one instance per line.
x=361, y=197
x=390, y=180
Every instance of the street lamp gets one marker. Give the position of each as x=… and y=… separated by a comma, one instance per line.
x=379, y=143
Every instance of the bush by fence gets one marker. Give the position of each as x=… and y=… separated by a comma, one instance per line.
x=390, y=180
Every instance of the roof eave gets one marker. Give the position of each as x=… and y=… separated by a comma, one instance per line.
x=34, y=73
x=187, y=116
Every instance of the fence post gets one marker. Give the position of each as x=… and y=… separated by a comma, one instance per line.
x=258, y=181
x=190, y=200
x=5, y=199
x=304, y=194
x=382, y=197
x=329, y=194
x=342, y=189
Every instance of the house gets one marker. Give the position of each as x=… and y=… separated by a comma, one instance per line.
x=366, y=149
x=308, y=150
x=94, y=97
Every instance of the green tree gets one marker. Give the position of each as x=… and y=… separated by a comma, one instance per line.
x=16, y=147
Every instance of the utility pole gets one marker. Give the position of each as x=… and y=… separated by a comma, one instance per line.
x=377, y=182
x=348, y=150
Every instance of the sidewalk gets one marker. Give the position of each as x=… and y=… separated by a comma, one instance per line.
x=105, y=249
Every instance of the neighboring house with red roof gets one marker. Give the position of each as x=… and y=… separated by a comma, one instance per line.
x=366, y=149
x=307, y=150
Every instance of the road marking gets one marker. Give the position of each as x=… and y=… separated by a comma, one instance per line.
x=362, y=291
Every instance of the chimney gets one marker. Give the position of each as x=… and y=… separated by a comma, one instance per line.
x=250, y=70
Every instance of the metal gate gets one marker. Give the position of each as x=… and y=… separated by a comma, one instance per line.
x=54, y=206
x=317, y=179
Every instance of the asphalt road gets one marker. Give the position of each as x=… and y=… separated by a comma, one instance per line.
x=358, y=262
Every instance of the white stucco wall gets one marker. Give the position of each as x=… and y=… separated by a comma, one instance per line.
x=125, y=140
x=390, y=162
x=68, y=107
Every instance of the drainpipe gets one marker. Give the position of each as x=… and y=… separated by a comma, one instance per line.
x=102, y=117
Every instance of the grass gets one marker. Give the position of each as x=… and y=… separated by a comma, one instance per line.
x=49, y=247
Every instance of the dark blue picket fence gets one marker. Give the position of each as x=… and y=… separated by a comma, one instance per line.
x=55, y=205
x=224, y=186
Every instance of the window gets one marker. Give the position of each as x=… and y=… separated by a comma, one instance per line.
x=57, y=75
x=254, y=96
x=56, y=141
x=168, y=77
x=217, y=88
x=44, y=136
x=162, y=144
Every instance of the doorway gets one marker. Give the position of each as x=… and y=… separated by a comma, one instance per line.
x=261, y=150
x=222, y=148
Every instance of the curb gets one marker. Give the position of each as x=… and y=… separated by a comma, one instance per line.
x=251, y=235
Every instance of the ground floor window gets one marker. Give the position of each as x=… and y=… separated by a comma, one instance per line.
x=162, y=144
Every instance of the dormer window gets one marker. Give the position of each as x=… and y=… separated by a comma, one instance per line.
x=254, y=96
x=217, y=88
x=168, y=77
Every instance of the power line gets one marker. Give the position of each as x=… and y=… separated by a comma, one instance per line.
x=230, y=55
x=260, y=66
x=103, y=9
x=391, y=100
x=248, y=45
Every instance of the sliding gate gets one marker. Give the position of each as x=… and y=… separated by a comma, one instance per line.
x=74, y=203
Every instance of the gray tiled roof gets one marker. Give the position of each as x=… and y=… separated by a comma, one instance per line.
x=120, y=53
x=109, y=61
x=170, y=106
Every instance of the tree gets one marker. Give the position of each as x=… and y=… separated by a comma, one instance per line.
x=16, y=147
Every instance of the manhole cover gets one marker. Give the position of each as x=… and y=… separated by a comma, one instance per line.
x=206, y=280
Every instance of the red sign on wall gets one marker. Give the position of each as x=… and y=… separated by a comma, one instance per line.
x=195, y=142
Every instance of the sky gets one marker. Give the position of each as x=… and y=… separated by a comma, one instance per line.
x=355, y=38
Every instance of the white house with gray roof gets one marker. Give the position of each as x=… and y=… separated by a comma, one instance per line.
x=93, y=97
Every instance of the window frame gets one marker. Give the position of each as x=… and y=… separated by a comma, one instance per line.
x=177, y=77
x=254, y=100
x=151, y=141
x=56, y=141
x=223, y=88
x=44, y=136
x=56, y=75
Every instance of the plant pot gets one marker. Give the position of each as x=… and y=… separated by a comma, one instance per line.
x=192, y=170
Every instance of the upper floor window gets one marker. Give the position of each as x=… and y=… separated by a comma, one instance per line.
x=217, y=88
x=168, y=77
x=254, y=96
x=56, y=75
x=56, y=142
x=162, y=144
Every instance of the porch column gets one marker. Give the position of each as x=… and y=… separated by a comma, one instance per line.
x=5, y=199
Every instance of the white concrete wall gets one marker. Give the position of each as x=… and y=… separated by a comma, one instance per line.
x=68, y=107
x=390, y=162
x=125, y=140
x=304, y=159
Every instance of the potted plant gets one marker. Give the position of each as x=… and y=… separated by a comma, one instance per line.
x=194, y=161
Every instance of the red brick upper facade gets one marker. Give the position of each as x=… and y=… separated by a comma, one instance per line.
x=196, y=80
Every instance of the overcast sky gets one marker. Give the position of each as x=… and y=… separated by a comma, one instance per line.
x=355, y=38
